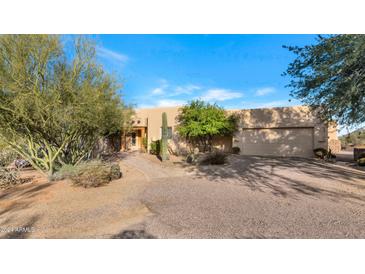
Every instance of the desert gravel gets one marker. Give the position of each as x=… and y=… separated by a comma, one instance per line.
x=249, y=197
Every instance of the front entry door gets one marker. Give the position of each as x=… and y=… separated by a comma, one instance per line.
x=134, y=140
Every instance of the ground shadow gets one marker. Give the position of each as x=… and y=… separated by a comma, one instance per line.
x=21, y=198
x=115, y=156
x=133, y=234
x=23, y=231
x=282, y=176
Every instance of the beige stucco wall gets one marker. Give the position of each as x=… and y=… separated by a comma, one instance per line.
x=152, y=119
x=298, y=124
x=279, y=124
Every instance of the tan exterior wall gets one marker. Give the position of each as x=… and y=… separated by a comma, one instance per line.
x=287, y=131
x=152, y=119
x=295, y=131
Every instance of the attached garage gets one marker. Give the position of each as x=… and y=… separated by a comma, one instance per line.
x=292, y=141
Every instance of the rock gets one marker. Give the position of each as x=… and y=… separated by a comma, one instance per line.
x=21, y=163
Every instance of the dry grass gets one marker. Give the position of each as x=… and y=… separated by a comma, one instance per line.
x=89, y=174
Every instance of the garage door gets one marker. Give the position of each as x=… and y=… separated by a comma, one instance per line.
x=277, y=142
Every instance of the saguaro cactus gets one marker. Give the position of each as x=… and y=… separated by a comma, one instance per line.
x=163, y=148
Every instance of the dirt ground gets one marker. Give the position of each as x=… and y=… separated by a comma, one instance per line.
x=249, y=197
x=42, y=209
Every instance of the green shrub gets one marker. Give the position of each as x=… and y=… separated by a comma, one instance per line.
x=7, y=156
x=236, y=150
x=65, y=172
x=9, y=178
x=144, y=143
x=115, y=172
x=362, y=155
x=155, y=147
x=320, y=152
x=361, y=161
x=213, y=158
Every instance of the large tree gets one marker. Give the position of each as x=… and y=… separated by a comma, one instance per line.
x=330, y=76
x=199, y=122
x=56, y=102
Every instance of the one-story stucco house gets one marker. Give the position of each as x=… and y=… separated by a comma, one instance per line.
x=282, y=131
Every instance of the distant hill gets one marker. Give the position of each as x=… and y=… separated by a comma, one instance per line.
x=357, y=137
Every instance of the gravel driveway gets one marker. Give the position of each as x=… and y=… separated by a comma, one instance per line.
x=250, y=197
x=256, y=197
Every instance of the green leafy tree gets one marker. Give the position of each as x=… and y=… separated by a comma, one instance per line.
x=200, y=122
x=330, y=77
x=55, y=104
x=164, y=154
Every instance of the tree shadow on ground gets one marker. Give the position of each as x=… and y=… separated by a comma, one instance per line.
x=116, y=156
x=28, y=191
x=286, y=177
x=23, y=231
x=133, y=234
x=20, y=199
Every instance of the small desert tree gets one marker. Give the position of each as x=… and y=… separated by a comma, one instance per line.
x=200, y=122
x=163, y=148
x=55, y=103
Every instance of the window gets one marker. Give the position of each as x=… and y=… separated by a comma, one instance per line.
x=169, y=132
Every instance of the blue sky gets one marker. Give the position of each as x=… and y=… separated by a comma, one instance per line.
x=235, y=71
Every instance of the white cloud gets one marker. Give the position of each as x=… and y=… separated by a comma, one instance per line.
x=264, y=91
x=220, y=95
x=112, y=55
x=170, y=103
x=158, y=91
x=186, y=89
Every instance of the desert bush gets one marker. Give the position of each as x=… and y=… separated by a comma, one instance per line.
x=115, y=172
x=324, y=154
x=8, y=178
x=7, y=157
x=89, y=174
x=213, y=158
x=236, y=150
x=65, y=172
x=192, y=158
x=361, y=162
x=320, y=152
x=155, y=147
x=56, y=99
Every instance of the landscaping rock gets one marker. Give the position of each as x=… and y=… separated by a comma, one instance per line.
x=21, y=163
